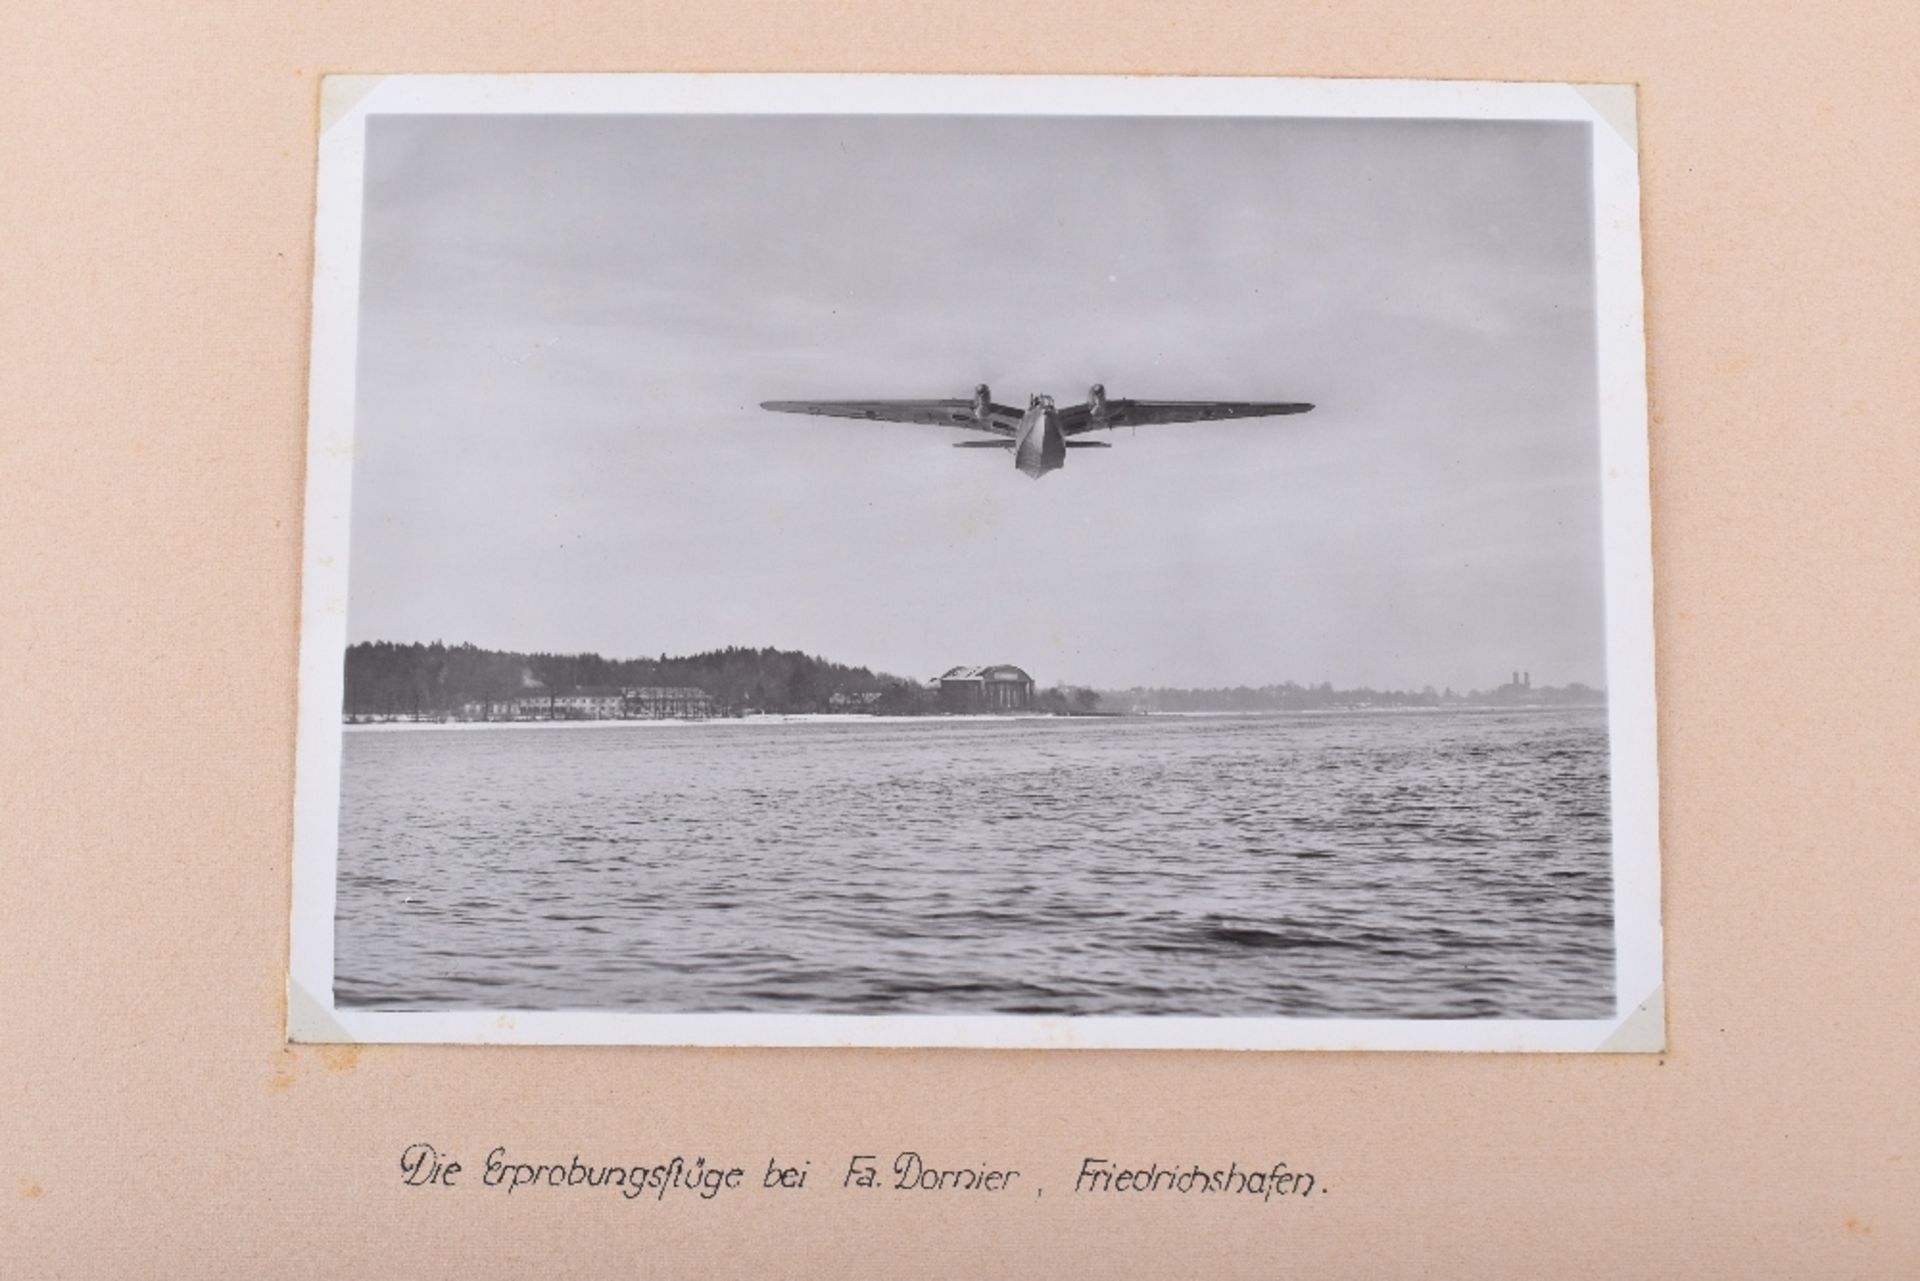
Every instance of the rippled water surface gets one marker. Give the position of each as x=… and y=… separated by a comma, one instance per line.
x=1406, y=865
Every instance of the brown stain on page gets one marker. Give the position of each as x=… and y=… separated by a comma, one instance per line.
x=286, y=1063
x=31, y=1191
x=340, y=1058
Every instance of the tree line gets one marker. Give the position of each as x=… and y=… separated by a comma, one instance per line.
x=387, y=678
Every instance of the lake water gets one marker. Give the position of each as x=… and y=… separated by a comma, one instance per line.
x=1442, y=865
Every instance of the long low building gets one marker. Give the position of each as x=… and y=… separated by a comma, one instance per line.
x=599, y=703
x=590, y=703
x=669, y=703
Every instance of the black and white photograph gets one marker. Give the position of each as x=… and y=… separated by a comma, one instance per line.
x=977, y=561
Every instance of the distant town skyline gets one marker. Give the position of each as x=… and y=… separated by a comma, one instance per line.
x=568, y=322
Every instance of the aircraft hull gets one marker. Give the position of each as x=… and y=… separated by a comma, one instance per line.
x=1041, y=446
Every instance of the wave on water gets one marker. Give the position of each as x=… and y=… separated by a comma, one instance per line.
x=1359, y=866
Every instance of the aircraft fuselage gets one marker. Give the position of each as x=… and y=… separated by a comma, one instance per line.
x=1040, y=446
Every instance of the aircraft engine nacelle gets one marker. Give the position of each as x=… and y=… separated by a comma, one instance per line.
x=982, y=402
x=1097, y=402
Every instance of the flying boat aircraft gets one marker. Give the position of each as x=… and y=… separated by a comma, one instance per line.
x=1040, y=435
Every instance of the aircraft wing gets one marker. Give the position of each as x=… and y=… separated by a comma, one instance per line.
x=1000, y=419
x=1075, y=419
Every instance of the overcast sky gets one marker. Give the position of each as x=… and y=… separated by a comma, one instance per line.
x=568, y=323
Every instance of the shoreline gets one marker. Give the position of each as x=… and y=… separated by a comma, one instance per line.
x=771, y=718
x=861, y=718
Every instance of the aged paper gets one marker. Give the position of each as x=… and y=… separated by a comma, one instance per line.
x=157, y=273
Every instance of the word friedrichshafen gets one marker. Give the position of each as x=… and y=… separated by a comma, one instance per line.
x=1097, y=1174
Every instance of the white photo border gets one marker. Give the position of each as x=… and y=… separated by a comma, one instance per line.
x=346, y=103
